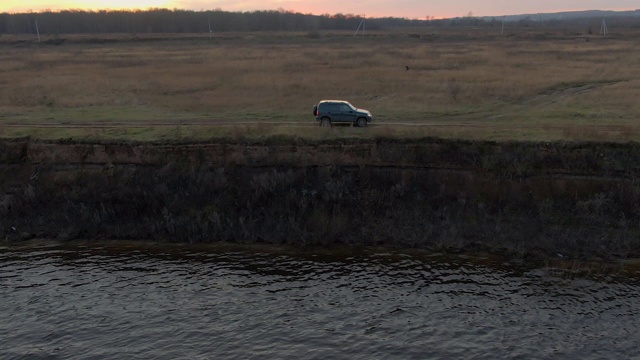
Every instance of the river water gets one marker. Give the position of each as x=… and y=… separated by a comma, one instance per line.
x=167, y=302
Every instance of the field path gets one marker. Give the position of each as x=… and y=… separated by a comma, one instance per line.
x=438, y=123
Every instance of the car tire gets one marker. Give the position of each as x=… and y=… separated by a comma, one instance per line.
x=325, y=122
x=361, y=122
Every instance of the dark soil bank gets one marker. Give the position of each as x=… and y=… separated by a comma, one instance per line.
x=576, y=199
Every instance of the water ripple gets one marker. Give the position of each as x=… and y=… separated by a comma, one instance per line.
x=109, y=302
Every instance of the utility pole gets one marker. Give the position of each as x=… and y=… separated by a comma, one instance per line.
x=603, y=28
x=210, y=32
x=37, y=30
x=362, y=24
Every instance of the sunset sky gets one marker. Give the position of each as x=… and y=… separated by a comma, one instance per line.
x=418, y=9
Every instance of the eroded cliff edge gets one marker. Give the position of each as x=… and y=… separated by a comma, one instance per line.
x=576, y=199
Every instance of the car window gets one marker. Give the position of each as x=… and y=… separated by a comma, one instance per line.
x=345, y=108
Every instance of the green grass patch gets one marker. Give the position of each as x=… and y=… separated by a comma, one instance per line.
x=261, y=132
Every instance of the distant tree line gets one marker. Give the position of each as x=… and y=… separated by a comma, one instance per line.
x=188, y=21
x=183, y=21
x=575, y=23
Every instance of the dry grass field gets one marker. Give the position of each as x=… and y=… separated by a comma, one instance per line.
x=467, y=83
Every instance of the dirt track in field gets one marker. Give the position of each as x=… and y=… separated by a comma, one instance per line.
x=226, y=123
x=207, y=123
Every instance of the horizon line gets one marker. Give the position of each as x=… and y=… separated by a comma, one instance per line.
x=49, y=10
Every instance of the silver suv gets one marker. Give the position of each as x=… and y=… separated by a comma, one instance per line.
x=328, y=112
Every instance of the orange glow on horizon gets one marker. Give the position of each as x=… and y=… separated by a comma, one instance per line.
x=412, y=9
x=19, y=6
x=15, y=6
x=100, y=5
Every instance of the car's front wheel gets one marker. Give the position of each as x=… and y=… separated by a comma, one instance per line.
x=361, y=122
x=325, y=122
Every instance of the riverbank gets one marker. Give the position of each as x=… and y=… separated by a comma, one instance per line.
x=530, y=199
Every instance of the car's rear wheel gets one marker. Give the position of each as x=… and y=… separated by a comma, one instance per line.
x=325, y=122
x=361, y=122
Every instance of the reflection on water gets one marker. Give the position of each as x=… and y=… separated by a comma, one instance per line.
x=185, y=302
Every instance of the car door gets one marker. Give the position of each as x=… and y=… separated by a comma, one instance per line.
x=333, y=110
x=347, y=114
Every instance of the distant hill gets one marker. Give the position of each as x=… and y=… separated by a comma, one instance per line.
x=567, y=15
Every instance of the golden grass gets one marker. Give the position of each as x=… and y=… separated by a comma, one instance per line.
x=484, y=86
